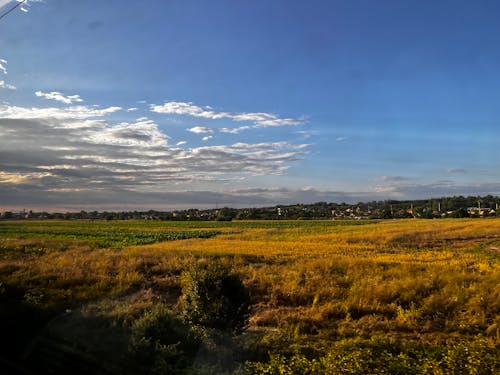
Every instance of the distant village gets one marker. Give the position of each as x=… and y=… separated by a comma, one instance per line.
x=472, y=206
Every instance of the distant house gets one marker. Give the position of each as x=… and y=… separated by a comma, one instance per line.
x=476, y=211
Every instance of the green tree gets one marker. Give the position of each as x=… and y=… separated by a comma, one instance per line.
x=226, y=214
x=462, y=212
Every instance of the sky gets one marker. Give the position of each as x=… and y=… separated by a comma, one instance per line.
x=121, y=105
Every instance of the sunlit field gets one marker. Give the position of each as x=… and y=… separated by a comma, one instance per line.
x=336, y=297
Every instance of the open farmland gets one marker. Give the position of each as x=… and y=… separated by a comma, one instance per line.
x=397, y=296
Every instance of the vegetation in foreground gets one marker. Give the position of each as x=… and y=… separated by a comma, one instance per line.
x=400, y=297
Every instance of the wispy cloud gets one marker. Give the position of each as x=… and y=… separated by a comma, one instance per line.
x=436, y=189
x=57, y=96
x=234, y=130
x=6, y=85
x=3, y=68
x=456, y=170
x=307, y=133
x=19, y=178
x=279, y=122
x=391, y=179
x=71, y=114
x=200, y=130
x=259, y=119
x=206, y=138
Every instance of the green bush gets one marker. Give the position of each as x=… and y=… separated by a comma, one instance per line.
x=476, y=357
x=162, y=342
x=213, y=297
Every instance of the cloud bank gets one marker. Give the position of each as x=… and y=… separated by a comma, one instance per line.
x=76, y=153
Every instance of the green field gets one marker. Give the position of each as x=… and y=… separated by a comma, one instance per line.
x=102, y=234
x=336, y=297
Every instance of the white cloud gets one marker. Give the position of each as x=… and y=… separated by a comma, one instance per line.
x=57, y=96
x=256, y=117
x=143, y=133
x=278, y=122
x=3, y=69
x=62, y=166
x=260, y=119
x=206, y=138
x=6, y=85
x=19, y=178
x=180, y=108
x=341, y=139
x=72, y=114
x=180, y=143
x=200, y=130
x=234, y=130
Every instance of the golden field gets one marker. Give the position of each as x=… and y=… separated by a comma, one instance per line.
x=422, y=292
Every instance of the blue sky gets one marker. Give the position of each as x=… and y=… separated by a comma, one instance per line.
x=167, y=104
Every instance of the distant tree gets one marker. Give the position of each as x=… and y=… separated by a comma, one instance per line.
x=402, y=214
x=386, y=214
x=462, y=212
x=226, y=214
x=427, y=213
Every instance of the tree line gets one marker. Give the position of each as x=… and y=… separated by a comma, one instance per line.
x=456, y=206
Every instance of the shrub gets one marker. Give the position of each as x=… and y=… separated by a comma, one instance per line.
x=213, y=297
x=476, y=357
x=162, y=342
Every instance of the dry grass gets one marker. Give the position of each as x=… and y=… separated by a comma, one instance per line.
x=420, y=281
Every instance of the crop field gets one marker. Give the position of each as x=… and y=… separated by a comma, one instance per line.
x=325, y=297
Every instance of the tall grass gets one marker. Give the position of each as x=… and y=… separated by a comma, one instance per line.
x=423, y=291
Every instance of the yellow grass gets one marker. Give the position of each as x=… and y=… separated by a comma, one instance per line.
x=413, y=279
